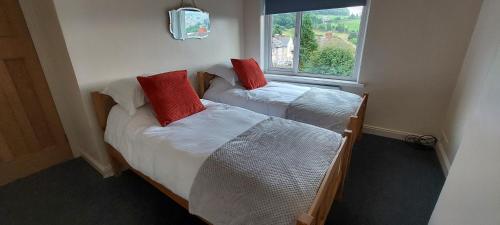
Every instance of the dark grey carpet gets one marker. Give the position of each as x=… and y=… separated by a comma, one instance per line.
x=390, y=182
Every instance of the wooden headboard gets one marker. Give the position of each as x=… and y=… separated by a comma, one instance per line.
x=102, y=105
x=204, y=79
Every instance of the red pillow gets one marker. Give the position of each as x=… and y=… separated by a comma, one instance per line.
x=249, y=73
x=171, y=95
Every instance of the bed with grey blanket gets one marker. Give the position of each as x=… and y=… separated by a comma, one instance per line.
x=267, y=175
x=329, y=109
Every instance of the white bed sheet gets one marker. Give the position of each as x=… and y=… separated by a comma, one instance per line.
x=272, y=99
x=172, y=155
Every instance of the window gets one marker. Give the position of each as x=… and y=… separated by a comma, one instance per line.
x=283, y=33
x=321, y=43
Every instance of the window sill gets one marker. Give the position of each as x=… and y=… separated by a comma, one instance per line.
x=314, y=81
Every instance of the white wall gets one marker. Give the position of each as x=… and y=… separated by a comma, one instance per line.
x=471, y=194
x=471, y=81
x=412, y=57
x=254, y=32
x=112, y=39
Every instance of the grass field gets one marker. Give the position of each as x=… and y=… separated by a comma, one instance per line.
x=352, y=25
x=289, y=32
x=338, y=42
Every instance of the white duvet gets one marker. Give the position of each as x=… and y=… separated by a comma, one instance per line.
x=172, y=155
x=328, y=109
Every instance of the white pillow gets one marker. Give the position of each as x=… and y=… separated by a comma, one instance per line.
x=225, y=71
x=127, y=93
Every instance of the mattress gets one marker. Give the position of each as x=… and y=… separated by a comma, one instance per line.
x=272, y=99
x=321, y=107
x=172, y=155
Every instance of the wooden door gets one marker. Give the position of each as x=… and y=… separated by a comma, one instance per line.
x=31, y=135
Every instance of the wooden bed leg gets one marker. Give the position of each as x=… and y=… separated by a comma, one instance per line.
x=353, y=127
x=340, y=194
x=305, y=219
x=117, y=171
x=360, y=135
x=116, y=165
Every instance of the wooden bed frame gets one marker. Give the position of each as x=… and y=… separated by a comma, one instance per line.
x=330, y=188
x=355, y=124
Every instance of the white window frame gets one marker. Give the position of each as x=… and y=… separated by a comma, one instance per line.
x=295, y=69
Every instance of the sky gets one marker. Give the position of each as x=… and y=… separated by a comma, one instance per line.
x=356, y=10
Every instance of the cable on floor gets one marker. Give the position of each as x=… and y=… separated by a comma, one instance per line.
x=426, y=142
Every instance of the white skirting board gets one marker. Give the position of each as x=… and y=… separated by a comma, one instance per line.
x=400, y=135
x=443, y=158
x=105, y=170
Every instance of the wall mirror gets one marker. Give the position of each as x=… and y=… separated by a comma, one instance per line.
x=189, y=23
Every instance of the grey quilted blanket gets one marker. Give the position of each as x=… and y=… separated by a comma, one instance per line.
x=329, y=109
x=268, y=175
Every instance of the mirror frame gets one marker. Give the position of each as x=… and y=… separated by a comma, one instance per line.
x=187, y=9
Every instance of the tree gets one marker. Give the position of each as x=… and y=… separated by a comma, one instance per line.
x=353, y=37
x=314, y=19
x=330, y=60
x=329, y=27
x=322, y=27
x=277, y=30
x=308, y=42
x=285, y=20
